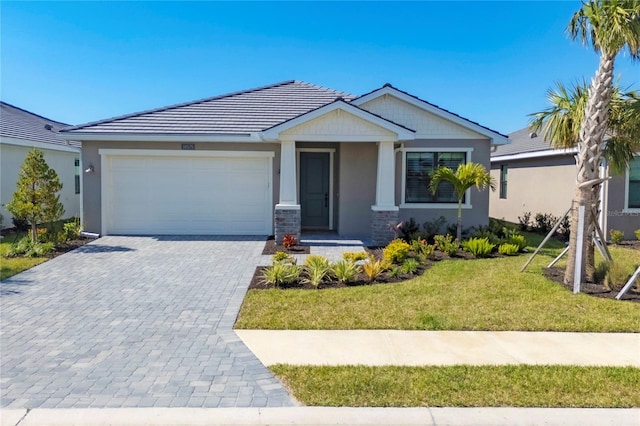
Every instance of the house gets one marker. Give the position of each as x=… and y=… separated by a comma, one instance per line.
x=22, y=130
x=534, y=177
x=278, y=159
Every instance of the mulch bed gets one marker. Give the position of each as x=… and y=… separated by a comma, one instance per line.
x=592, y=289
x=270, y=248
x=63, y=248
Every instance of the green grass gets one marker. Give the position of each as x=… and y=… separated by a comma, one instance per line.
x=483, y=294
x=463, y=386
x=15, y=265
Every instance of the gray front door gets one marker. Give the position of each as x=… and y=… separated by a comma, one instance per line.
x=314, y=189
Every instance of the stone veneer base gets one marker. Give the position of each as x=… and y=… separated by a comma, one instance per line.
x=286, y=221
x=381, y=222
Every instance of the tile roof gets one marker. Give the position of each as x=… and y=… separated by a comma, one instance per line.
x=21, y=124
x=237, y=113
x=523, y=141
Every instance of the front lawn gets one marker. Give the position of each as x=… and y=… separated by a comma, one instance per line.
x=463, y=386
x=14, y=265
x=483, y=294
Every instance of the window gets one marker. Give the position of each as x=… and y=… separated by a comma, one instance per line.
x=503, y=181
x=633, y=184
x=420, y=166
x=77, y=165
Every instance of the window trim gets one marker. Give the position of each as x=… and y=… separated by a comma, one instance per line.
x=452, y=206
x=504, y=171
x=76, y=164
x=626, y=207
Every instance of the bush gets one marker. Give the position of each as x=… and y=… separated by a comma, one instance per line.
x=372, y=268
x=616, y=236
x=485, y=232
x=518, y=240
x=20, y=247
x=41, y=249
x=616, y=276
x=410, y=230
x=544, y=222
x=637, y=232
x=316, y=269
x=446, y=244
x=396, y=251
x=432, y=228
x=71, y=230
x=289, y=241
x=410, y=266
x=21, y=224
x=282, y=256
x=479, y=247
x=423, y=250
x=281, y=273
x=354, y=256
x=25, y=247
x=345, y=270
x=508, y=249
x=524, y=221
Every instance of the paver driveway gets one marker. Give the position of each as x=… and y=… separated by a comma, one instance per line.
x=134, y=322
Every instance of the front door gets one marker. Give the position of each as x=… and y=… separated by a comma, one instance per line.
x=314, y=189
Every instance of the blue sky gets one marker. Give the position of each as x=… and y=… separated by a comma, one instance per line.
x=491, y=62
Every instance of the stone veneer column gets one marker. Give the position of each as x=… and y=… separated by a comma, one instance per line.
x=287, y=213
x=384, y=214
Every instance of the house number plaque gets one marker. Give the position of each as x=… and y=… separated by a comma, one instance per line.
x=189, y=146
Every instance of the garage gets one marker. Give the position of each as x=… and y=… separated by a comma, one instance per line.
x=148, y=192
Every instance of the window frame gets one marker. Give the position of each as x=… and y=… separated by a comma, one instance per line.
x=76, y=163
x=452, y=206
x=627, y=177
x=504, y=171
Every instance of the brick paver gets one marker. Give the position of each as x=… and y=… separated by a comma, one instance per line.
x=134, y=322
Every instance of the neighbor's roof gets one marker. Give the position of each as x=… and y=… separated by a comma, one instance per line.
x=237, y=113
x=526, y=141
x=21, y=124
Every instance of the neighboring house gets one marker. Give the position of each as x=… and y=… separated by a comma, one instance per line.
x=533, y=177
x=278, y=159
x=22, y=130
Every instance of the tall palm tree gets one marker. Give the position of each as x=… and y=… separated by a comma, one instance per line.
x=610, y=27
x=560, y=124
x=466, y=176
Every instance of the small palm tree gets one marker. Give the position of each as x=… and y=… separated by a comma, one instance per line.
x=466, y=176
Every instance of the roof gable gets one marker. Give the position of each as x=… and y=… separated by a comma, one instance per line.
x=18, y=123
x=396, y=105
x=339, y=121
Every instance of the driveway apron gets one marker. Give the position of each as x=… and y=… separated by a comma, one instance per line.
x=134, y=322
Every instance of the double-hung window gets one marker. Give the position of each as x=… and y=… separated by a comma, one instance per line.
x=504, y=170
x=633, y=184
x=419, y=169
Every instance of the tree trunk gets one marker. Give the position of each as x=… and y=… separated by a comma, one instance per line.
x=588, y=161
x=34, y=232
x=459, y=228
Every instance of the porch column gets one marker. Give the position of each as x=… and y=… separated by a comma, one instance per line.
x=287, y=212
x=385, y=213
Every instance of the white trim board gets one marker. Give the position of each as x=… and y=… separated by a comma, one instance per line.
x=40, y=145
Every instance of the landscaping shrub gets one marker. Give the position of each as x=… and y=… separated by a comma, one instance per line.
x=282, y=256
x=21, y=224
x=544, y=222
x=394, y=272
x=25, y=247
x=289, y=241
x=410, y=266
x=518, y=240
x=345, y=270
x=316, y=269
x=354, y=256
x=485, y=232
x=479, y=247
x=410, y=230
x=281, y=273
x=446, y=244
x=372, y=268
x=616, y=277
x=423, y=250
x=637, y=232
x=71, y=230
x=433, y=227
x=616, y=236
x=508, y=249
x=396, y=251
x=524, y=221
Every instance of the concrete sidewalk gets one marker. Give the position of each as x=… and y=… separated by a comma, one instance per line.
x=322, y=416
x=398, y=347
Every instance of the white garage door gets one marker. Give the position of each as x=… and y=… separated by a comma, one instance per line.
x=182, y=193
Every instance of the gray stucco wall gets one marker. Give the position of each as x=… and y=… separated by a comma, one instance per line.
x=91, y=181
x=538, y=185
x=478, y=214
x=618, y=217
x=357, y=187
